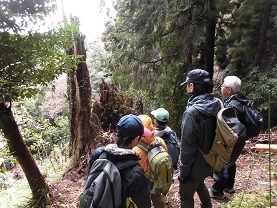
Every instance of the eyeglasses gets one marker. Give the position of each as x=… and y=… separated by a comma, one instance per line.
x=222, y=86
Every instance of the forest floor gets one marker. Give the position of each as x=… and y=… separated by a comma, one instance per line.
x=252, y=181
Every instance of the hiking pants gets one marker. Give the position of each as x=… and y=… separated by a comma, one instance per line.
x=158, y=200
x=221, y=182
x=187, y=190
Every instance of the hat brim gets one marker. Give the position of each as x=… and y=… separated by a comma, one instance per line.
x=147, y=132
x=185, y=82
x=154, y=113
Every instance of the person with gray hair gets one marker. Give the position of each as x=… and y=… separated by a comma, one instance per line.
x=233, y=82
x=233, y=98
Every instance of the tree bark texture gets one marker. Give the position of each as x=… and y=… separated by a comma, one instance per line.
x=22, y=154
x=80, y=106
x=112, y=105
x=209, y=52
x=263, y=31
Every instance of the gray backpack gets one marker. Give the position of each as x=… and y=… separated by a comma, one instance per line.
x=103, y=187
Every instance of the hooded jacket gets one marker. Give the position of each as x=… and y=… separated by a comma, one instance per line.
x=134, y=182
x=147, y=122
x=237, y=101
x=160, y=131
x=197, y=130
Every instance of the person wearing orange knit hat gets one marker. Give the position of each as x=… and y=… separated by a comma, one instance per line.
x=157, y=199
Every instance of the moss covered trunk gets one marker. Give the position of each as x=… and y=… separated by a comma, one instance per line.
x=22, y=154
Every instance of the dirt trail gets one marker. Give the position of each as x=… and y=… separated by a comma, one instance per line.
x=252, y=174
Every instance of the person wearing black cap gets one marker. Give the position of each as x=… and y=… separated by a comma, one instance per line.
x=197, y=131
x=135, y=186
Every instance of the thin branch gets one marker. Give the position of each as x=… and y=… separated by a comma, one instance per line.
x=156, y=61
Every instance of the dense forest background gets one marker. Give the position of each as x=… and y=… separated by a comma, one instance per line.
x=149, y=56
x=138, y=66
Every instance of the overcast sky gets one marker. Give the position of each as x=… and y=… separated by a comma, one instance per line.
x=88, y=11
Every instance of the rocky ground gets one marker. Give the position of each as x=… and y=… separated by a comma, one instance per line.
x=252, y=173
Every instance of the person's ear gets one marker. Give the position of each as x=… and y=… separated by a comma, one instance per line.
x=135, y=142
x=230, y=91
x=191, y=86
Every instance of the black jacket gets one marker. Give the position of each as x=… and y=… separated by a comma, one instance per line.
x=134, y=182
x=237, y=101
x=197, y=130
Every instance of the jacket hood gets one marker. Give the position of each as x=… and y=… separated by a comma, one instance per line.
x=206, y=104
x=237, y=96
x=147, y=123
x=115, y=150
x=161, y=131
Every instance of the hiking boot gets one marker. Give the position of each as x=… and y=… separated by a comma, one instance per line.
x=215, y=195
x=230, y=190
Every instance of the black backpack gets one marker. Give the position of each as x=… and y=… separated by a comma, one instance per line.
x=253, y=121
x=173, y=147
x=104, y=185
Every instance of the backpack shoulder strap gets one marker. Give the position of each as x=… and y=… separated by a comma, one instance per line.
x=158, y=141
x=221, y=103
x=217, y=117
x=120, y=164
x=146, y=148
x=125, y=164
x=166, y=134
x=103, y=155
x=172, y=135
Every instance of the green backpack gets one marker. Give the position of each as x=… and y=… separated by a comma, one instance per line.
x=159, y=167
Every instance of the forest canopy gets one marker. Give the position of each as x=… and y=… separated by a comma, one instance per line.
x=149, y=56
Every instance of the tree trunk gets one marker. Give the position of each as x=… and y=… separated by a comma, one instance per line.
x=80, y=106
x=22, y=154
x=263, y=31
x=210, y=39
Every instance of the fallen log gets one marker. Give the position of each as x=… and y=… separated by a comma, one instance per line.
x=265, y=147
